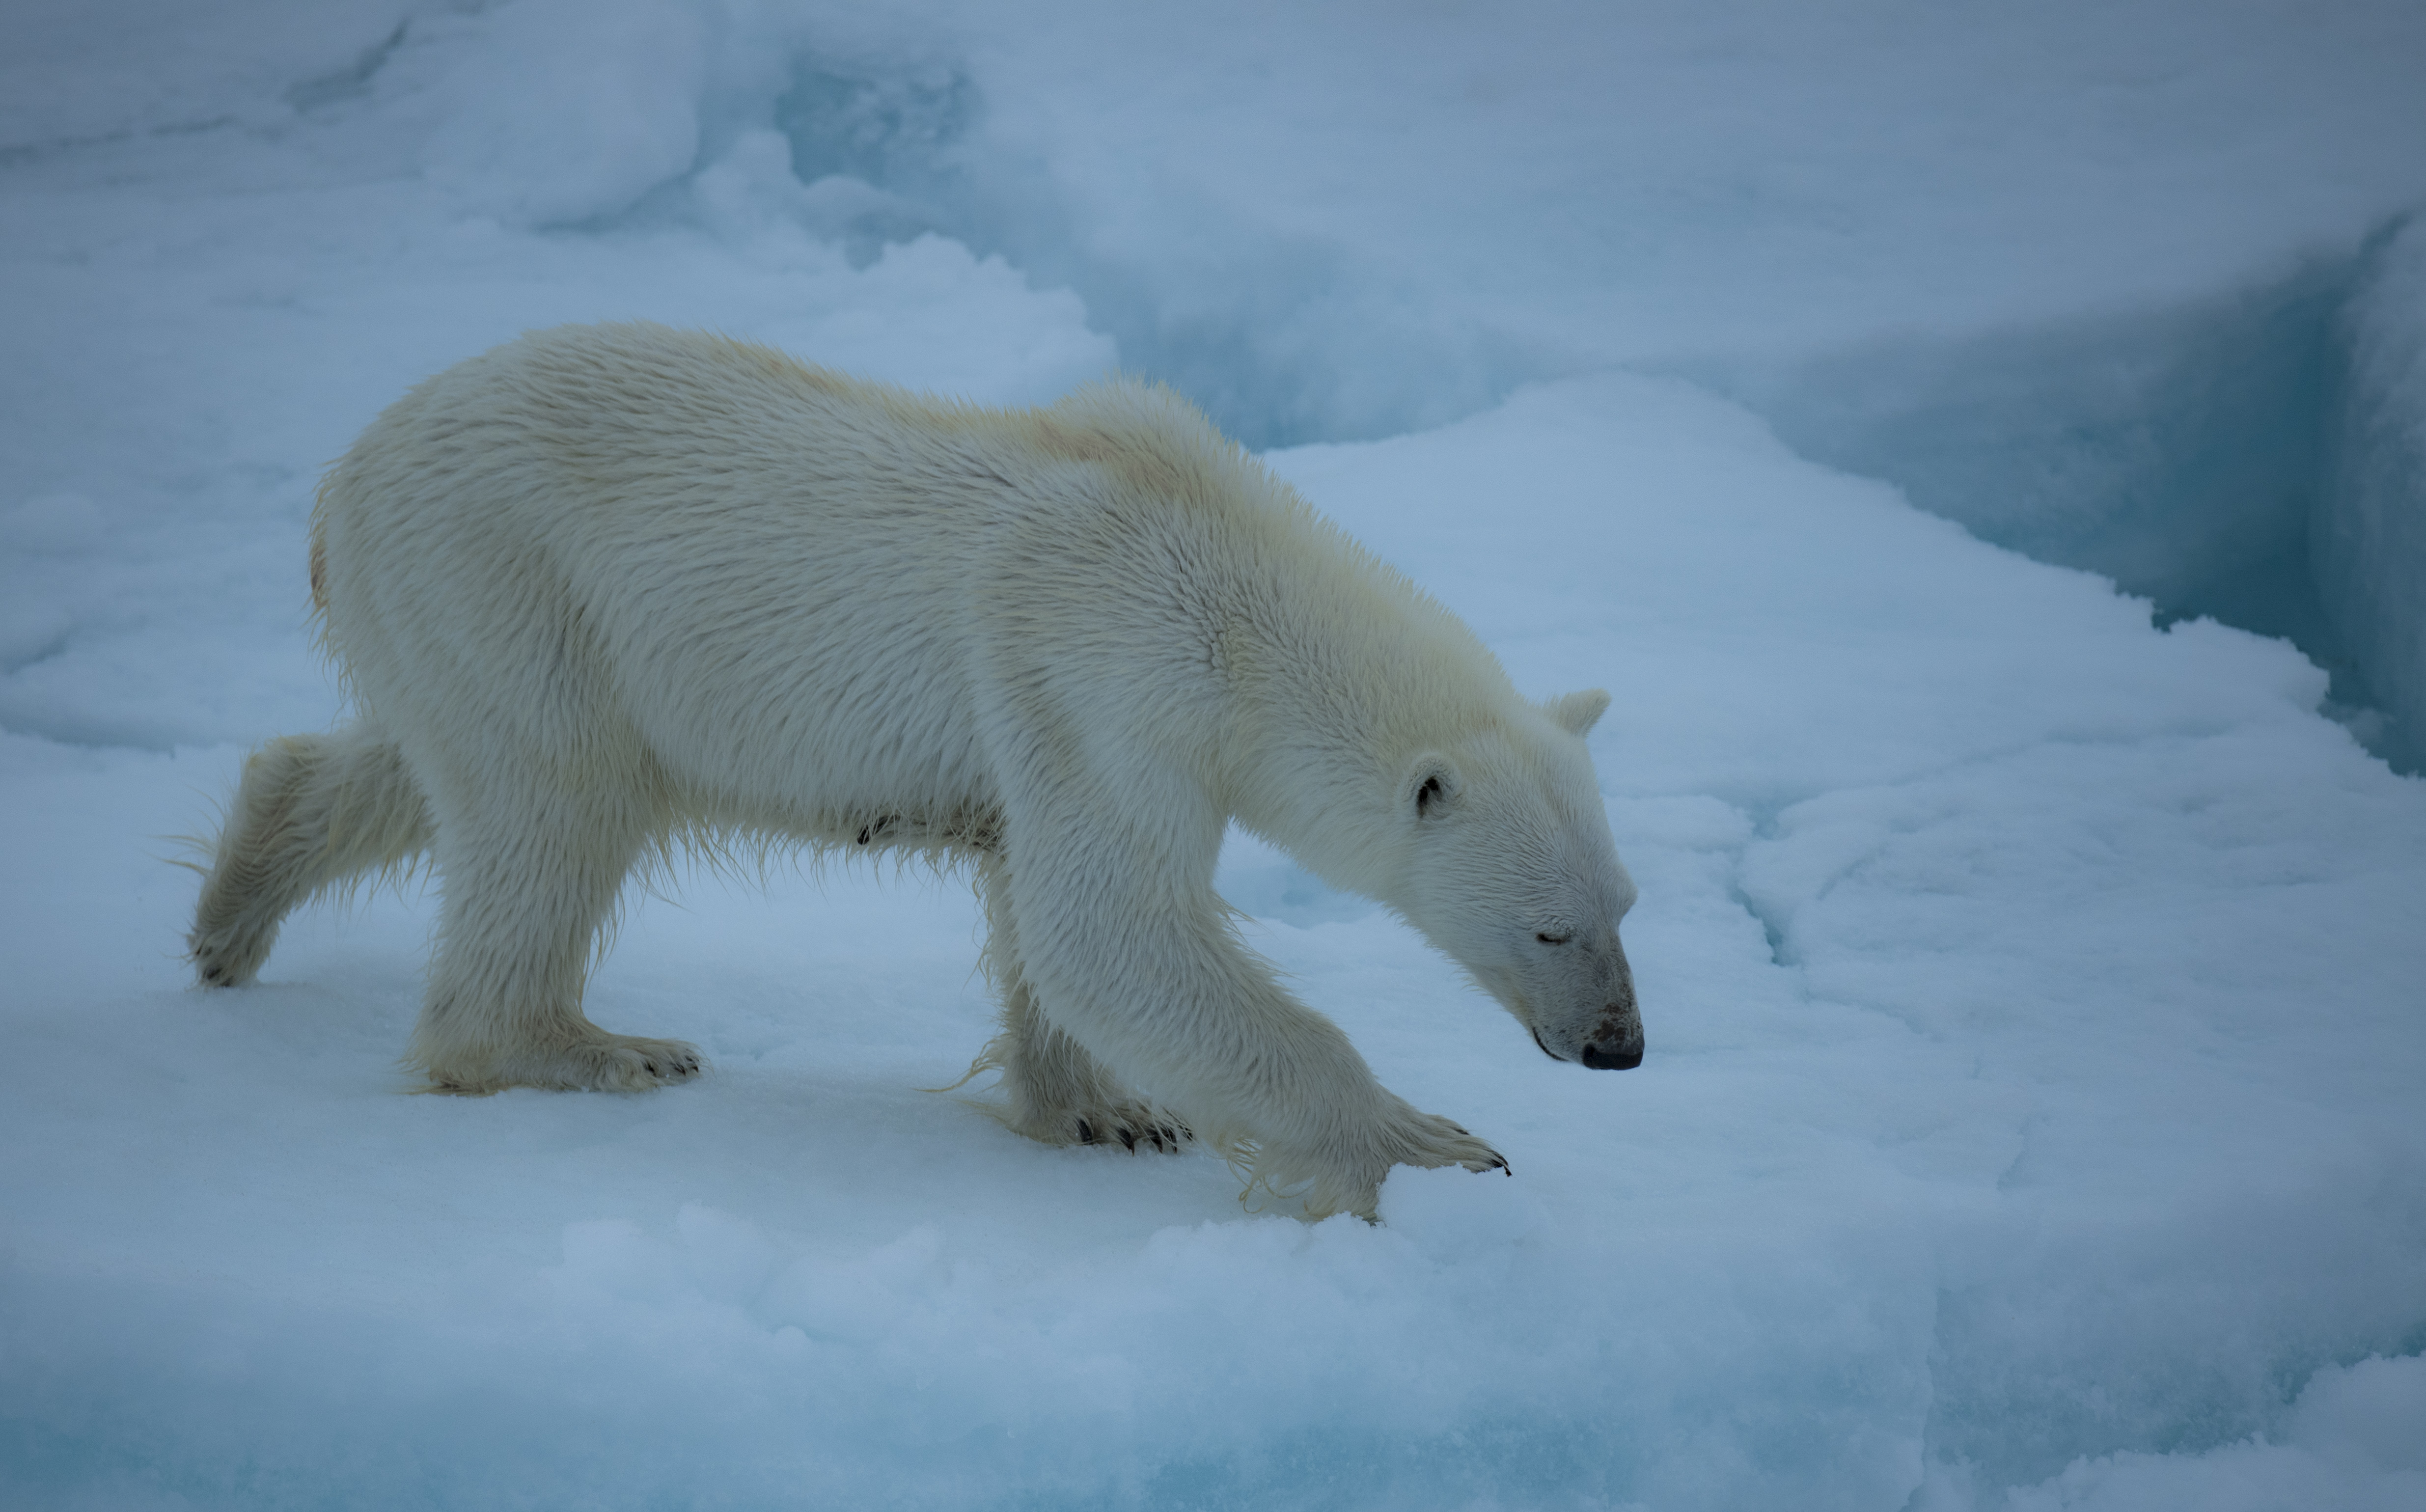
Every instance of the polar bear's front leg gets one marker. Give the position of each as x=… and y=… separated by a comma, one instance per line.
x=529, y=871
x=1123, y=942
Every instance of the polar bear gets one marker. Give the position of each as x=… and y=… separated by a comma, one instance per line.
x=609, y=589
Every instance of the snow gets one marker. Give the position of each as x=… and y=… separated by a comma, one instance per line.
x=2031, y=1114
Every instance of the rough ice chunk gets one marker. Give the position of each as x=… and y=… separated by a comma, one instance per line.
x=2369, y=537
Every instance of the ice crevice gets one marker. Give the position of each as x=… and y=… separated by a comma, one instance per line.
x=1772, y=928
x=2256, y=457
x=1773, y=915
x=351, y=81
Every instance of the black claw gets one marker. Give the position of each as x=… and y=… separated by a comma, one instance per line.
x=1128, y=1141
x=1086, y=1133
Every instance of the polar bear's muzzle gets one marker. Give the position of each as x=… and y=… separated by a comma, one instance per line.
x=1613, y=1052
x=1616, y=1043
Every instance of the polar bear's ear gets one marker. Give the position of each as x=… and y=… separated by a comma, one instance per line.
x=1433, y=784
x=1579, y=712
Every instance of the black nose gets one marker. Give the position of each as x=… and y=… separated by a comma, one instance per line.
x=1622, y=1060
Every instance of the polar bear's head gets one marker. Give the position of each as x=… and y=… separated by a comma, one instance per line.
x=1511, y=871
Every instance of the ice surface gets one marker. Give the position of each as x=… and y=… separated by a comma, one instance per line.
x=2031, y=1115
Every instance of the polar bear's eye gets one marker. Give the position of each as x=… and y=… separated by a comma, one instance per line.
x=1554, y=939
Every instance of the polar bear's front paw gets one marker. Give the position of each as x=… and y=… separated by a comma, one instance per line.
x=1347, y=1178
x=626, y=1063
x=1436, y=1141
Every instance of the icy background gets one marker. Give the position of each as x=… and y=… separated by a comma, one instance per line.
x=2032, y=970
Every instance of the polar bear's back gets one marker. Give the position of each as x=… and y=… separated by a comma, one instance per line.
x=771, y=586
x=671, y=551
x=780, y=598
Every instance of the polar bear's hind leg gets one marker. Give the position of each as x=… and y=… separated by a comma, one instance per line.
x=1060, y=1094
x=314, y=812
x=1053, y=1091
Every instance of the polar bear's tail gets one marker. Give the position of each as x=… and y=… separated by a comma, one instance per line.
x=313, y=812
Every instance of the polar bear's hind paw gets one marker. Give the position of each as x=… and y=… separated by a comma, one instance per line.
x=228, y=957
x=1134, y=1128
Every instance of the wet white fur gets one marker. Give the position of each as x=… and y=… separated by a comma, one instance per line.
x=611, y=587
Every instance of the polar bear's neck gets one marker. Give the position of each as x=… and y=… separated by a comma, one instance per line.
x=1341, y=675
x=1331, y=672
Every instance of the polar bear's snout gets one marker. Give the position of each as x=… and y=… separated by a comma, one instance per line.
x=1615, y=1040
x=1606, y=1037
x=1617, y=1048
x=1616, y=1043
